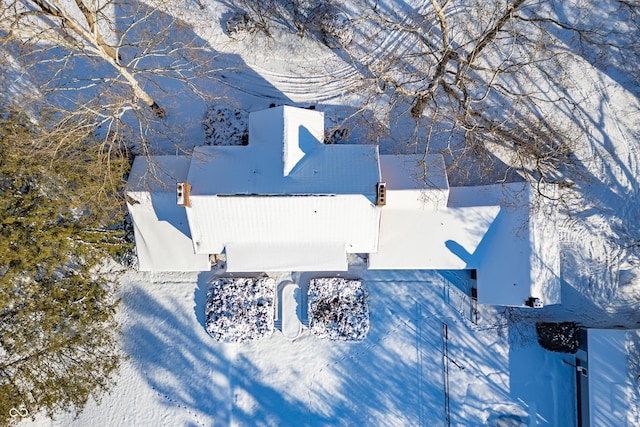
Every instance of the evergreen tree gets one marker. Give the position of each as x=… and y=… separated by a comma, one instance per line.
x=59, y=193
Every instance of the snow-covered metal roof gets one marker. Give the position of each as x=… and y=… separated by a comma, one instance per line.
x=285, y=156
x=250, y=257
x=494, y=229
x=519, y=256
x=430, y=239
x=163, y=239
x=417, y=229
x=415, y=181
x=285, y=187
x=217, y=221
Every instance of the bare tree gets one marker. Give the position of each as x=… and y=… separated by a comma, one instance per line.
x=484, y=79
x=119, y=44
x=297, y=16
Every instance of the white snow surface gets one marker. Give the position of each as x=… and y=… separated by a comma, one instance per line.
x=614, y=395
x=177, y=375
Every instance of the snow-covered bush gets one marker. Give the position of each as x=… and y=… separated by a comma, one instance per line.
x=562, y=337
x=224, y=125
x=336, y=135
x=240, y=309
x=336, y=29
x=338, y=309
x=239, y=24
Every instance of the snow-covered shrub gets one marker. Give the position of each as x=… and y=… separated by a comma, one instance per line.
x=240, y=24
x=338, y=309
x=240, y=309
x=562, y=337
x=224, y=125
x=336, y=135
x=336, y=29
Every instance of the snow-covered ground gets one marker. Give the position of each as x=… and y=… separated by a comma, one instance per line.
x=177, y=374
x=423, y=362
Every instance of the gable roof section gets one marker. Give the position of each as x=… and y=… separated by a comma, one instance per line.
x=519, y=256
x=417, y=229
x=217, y=221
x=285, y=188
x=415, y=181
x=285, y=156
x=163, y=239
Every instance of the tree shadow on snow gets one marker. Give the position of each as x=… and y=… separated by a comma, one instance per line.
x=192, y=373
x=173, y=356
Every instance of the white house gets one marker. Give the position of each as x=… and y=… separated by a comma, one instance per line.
x=289, y=202
x=284, y=202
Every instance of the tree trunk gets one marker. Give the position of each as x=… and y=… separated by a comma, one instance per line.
x=99, y=47
x=419, y=105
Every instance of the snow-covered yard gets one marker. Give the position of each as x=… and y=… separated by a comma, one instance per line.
x=424, y=361
x=178, y=375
